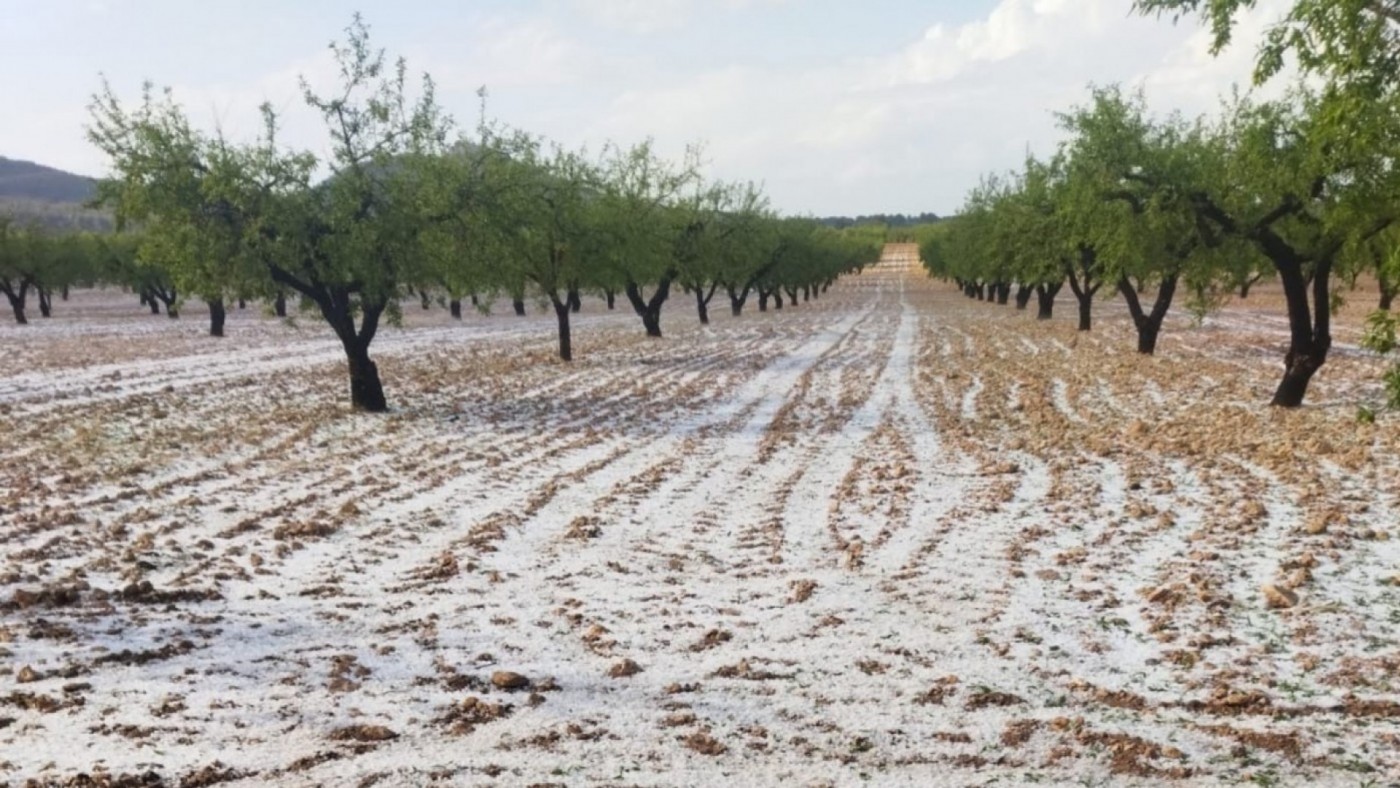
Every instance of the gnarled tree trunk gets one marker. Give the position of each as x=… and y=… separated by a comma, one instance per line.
x=736, y=299
x=1149, y=325
x=649, y=309
x=1023, y=295
x=17, y=293
x=1310, y=330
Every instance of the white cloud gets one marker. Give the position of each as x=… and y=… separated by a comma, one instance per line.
x=907, y=129
x=911, y=130
x=650, y=16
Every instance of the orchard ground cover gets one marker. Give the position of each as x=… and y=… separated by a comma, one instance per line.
x=896, y=537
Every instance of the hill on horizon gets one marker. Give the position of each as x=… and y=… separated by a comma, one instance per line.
x=26, y=180
x=34, y=193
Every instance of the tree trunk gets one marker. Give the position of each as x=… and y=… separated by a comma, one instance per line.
x=476, y=301
x=149, y=299
x=1023, y=295
x=424, y=301
x=1387, y=288
x=454, y=308
x=366, y=390
x=1310, y=331
x=216, y=317
x=45, y=302
x=17, y=299
x=649, y=310
x=242, y=303
x=575, y=302
x=1149, y=325
x=63, y=293
x=702, y=308
x=1045, y=300
x=610, y=296
x=168, y=298
x=519, y=305
x=561, y=311
x=736, y=300
x=279, y=304
x=762, y=300
x=1003, y=292
x=806, y=293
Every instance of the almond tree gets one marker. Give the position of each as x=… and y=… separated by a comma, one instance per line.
x=557, y=226
x=1299, y=201
x=19, y=266
x=715, y=245
x=646, y=233
x=348, y=244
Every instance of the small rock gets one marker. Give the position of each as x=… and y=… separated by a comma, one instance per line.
x=624, y=669
x=507, y=680
x=27, y=674
x=1299, y=577
x=363, y=733
x=704, y=743
x=1317, y=524
x=1277, y=597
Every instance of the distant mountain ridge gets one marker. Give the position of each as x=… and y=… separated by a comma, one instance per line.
x=33, y=194
x=25, y=180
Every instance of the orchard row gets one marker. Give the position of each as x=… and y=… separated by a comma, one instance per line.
x=403, y=206
x=1302, y=187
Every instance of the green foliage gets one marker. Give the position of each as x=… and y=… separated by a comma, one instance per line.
x=1380, y=335
x=1355, y=44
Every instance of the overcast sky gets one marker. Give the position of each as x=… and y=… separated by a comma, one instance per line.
x=837, y=106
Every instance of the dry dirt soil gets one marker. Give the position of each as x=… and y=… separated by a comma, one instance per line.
x=888, y=537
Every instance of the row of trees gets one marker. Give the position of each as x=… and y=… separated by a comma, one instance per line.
x=401, y=207
x=1304, y=188
x=44, y=262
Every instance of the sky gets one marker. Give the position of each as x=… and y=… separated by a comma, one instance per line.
x=837, y=107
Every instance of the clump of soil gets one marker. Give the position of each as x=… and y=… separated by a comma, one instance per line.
x=704, y=743
x=464, y=717
x=982, y=700
x=623, y=669
x=51, y=597
x=146, y=594
x=509, y=680
x=712, y=639
x=129, y=657
x=365, y=734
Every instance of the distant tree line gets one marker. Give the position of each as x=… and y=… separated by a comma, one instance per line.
x=891, y=220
